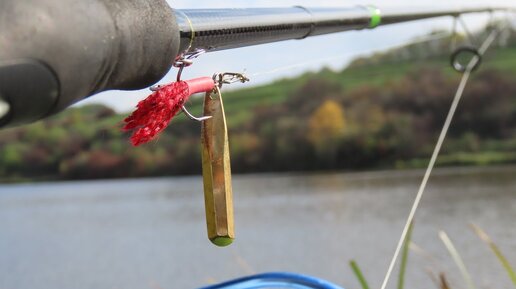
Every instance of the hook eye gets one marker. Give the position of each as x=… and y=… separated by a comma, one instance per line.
x=464, y=55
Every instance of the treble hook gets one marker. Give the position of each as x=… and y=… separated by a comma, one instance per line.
x=181, y=62
x=220, y=79
x=192, y=117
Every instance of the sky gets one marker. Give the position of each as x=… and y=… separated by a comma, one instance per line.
x=266, y=63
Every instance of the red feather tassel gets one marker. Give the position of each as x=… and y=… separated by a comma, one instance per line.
x=154, y=113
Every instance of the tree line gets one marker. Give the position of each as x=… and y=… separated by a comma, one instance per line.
x=321, y=123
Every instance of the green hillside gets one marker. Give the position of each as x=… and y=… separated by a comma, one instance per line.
x=383, y=111
x=377, y=74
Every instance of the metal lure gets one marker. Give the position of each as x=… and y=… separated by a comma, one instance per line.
x=216, y=169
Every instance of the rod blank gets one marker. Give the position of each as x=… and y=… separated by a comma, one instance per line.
x=393, y=16
x=218, y=29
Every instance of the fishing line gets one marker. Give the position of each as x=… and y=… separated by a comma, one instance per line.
x=340, y=56
x=297, y=65
x=458, y=95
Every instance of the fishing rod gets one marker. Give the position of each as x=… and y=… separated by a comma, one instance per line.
x=54, y=53
x=218, y=29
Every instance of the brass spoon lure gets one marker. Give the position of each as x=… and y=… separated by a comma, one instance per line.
x=216, y=170
x=216, y=165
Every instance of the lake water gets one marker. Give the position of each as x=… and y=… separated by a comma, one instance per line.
x=135, y=234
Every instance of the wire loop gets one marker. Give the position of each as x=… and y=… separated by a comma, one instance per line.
x=455, y=58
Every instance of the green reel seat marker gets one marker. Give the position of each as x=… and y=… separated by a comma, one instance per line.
x=222, y=241
x=376, y=16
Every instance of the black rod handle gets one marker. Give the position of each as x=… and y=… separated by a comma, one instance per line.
x=62, y=51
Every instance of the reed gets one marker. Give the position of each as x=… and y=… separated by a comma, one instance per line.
x=457, y=259
x=443, y=281
x=404, y=257
x=358, y=273
x=498, y=253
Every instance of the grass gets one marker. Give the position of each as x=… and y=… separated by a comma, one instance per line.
x=403, y=266
x=404, y=257
x=358, y=273
x=498, y=253
x=502, y=58
x=457, y=259
x=485, y=158
x=442, y=281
